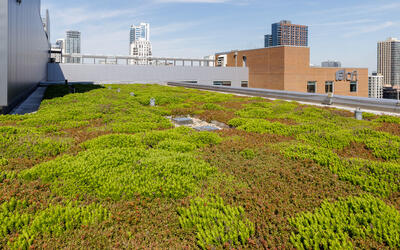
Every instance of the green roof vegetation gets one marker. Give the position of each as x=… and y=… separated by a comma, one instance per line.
x=101, y=168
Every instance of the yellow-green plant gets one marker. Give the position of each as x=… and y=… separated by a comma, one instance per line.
x=3, y=161
x=53, y=221
x=381, y=178
x=216, y=223
x=334, y=225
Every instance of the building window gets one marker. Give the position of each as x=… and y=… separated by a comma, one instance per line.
x=226, y=83
x=245, y=84
x=244, y=61
x=311, y=87
x=353, y=86
x=328, y=87
x=222, y=83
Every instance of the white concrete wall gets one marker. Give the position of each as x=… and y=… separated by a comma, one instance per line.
x=3, y=51
x=104, y=73
x=27, y=49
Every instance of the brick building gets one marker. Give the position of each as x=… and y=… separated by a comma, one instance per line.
x=288, y=68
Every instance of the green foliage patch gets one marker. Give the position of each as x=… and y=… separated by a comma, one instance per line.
x=212, y=106
x=7, y=175
x=383, y=145
x=261, y=126
x=381, y=178
x=248, y=154
x=216, y=223
x=154, y=164
x=24, y=143
x=317, y=126
x=3, y=161
x=53, y=221
x=166, y=139
x=334, y=225
x=388, y=119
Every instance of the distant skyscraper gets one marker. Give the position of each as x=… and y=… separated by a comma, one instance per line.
x=140, y=32
x=285, y=33
x=389, y=61
x=140, y=45
x=73, y=45
x=375, y=86
x=331, y=64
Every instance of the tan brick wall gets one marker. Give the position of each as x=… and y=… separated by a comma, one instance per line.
x=288, y=68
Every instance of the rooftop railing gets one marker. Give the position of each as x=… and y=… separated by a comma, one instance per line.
x=135, y=60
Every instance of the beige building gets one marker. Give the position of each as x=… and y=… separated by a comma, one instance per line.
x=389, y=61
x=288, y=68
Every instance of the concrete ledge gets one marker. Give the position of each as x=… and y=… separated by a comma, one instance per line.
x=31, y=104
x=383, y=105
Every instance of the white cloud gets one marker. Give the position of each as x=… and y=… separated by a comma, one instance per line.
x=350, y=22
x=172, y=28
x=370, y=28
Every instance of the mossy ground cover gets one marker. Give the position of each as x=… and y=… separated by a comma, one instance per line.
x=101, y=168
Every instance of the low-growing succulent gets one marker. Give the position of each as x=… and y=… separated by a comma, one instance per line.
x=216, y=224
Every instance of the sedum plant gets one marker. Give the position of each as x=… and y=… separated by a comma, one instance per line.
x=381, y=178
x=3, y=161
x=216, y=224
x=335, y=225
x=54, y=220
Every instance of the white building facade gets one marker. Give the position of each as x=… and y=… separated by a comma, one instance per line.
x=143, y=50
x=73, y=45
x=140, y=45
x=375, y=86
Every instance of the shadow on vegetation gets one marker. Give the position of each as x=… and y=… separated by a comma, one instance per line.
x=56, y=91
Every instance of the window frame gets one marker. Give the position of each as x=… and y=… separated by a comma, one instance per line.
x=331, y=85
x=314, y=84
x=222, y=83
x=354, y=83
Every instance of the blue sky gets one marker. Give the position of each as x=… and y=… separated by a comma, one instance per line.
x=339, y=30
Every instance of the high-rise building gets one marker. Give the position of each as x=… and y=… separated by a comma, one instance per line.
x=331, y=64
x=140, y=32
x=140, y=45
x=285, y=33
x=375, y=86
x=73, y=46
x=389, y=61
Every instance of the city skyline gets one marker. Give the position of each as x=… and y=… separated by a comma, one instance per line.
x=205, y=27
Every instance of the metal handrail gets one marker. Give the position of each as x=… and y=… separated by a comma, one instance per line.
x=152, y=60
